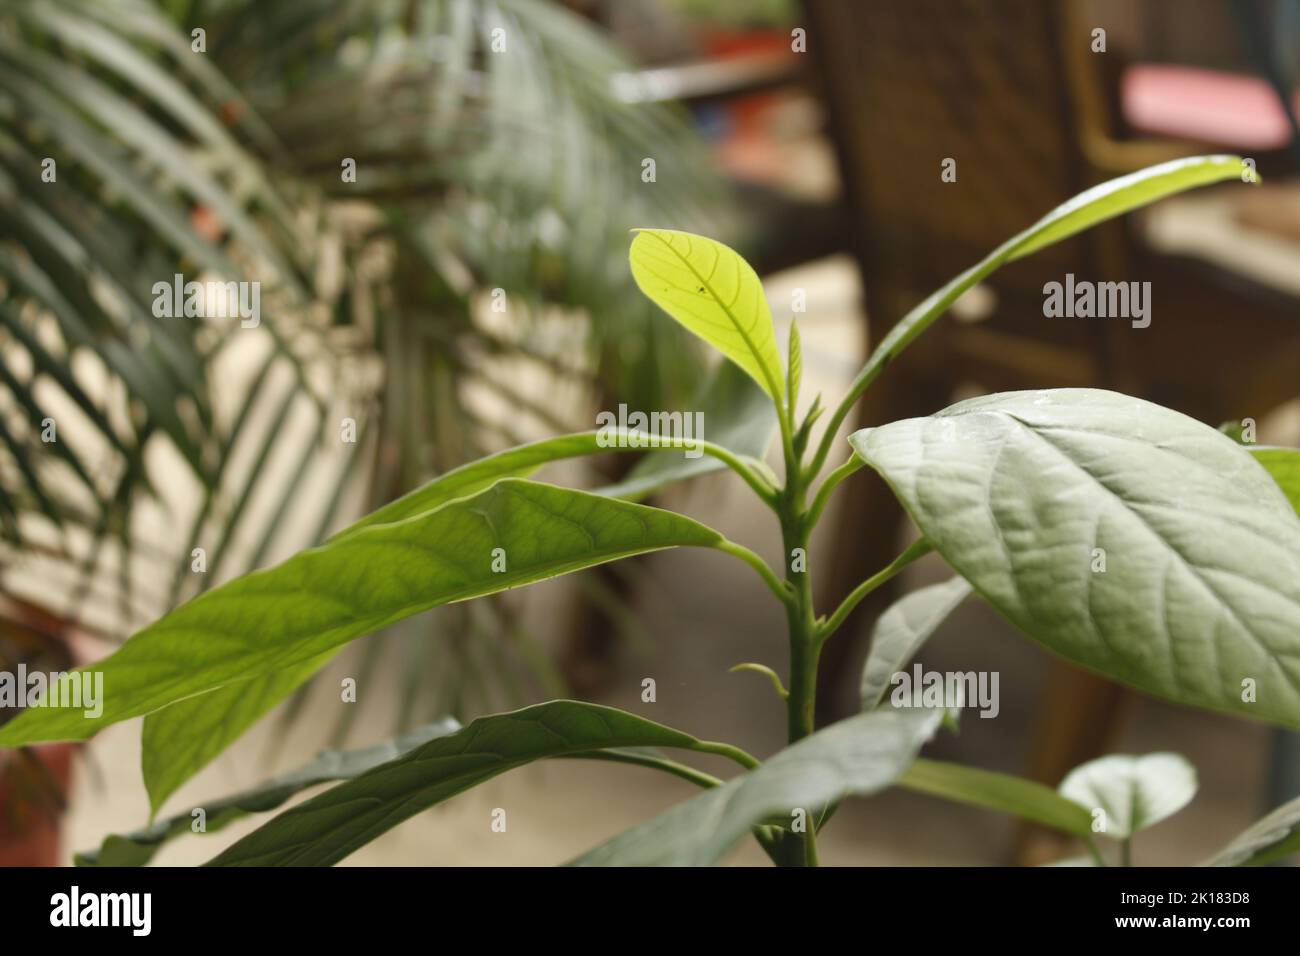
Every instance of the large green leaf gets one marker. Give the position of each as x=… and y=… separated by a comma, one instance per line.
x=861, y=755
x=901, y=631
x=358, y=583
x=713, y=292
x=1026, y=494
x=1283, y=465
x=1134, y=792
x=1105, y=201
x=139, y=847
x=1274, y=838
x=997, y=791
x=327, y=828
x=182, y=738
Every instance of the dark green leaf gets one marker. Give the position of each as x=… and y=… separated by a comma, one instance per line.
x=327, y=828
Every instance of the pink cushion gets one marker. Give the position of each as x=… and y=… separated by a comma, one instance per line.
x=1204, y=105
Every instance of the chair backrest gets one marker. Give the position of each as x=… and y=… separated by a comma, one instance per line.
x=912, y=83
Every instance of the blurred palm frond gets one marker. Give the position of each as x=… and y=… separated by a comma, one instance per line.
x=494, y=167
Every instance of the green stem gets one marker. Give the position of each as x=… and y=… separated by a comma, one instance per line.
x=919, y=548
x=698, y=777
x=1096, y=853
x=629, y=441
x=767, y=672
x=727, y=750
x=824, y=492
x=769, y=577
x=804, y=648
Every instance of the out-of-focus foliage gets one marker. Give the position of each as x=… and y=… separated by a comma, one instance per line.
x=494, y=166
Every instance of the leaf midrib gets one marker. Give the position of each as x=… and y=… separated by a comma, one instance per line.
x=1187, y=564
x=749, y=343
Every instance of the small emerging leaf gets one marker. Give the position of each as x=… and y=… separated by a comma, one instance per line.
x=794, y=368
x=1134, y=792
x=901, y=632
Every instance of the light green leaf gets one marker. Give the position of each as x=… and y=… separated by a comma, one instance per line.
x=861, y=755
x=998, y=791
x=1134, y=792
x=713, y=292
x=182, y=738
x=902, y=630
x=139, y=847
x=1283, y=465
x=329, y=827
x=1270, y=840
x=358, y=583
x=1029, y=495
x=1105, y=201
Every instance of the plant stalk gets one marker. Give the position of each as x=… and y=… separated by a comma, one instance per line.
x=804, y=646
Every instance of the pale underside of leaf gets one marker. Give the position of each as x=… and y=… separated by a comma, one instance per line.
x=902, y=630
x=1126, y=537
x=1269, y=840
x=861, y=755
x=1134, y=792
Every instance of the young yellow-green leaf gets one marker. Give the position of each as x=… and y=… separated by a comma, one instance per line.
x=513, y=533
x=1270, y=840
x=340, y=821
x=997, y=791
x=1125, y=537
x=902, y=630
x=182, y=738
x=139, y=847
x=713, y=292
x=1091, y=207
x=1283, y=466
x=861, y=755
x=1134, y=792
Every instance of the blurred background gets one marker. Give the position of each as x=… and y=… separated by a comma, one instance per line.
x=468, y=290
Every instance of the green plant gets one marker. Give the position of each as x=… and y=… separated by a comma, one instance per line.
x=1199, y=602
